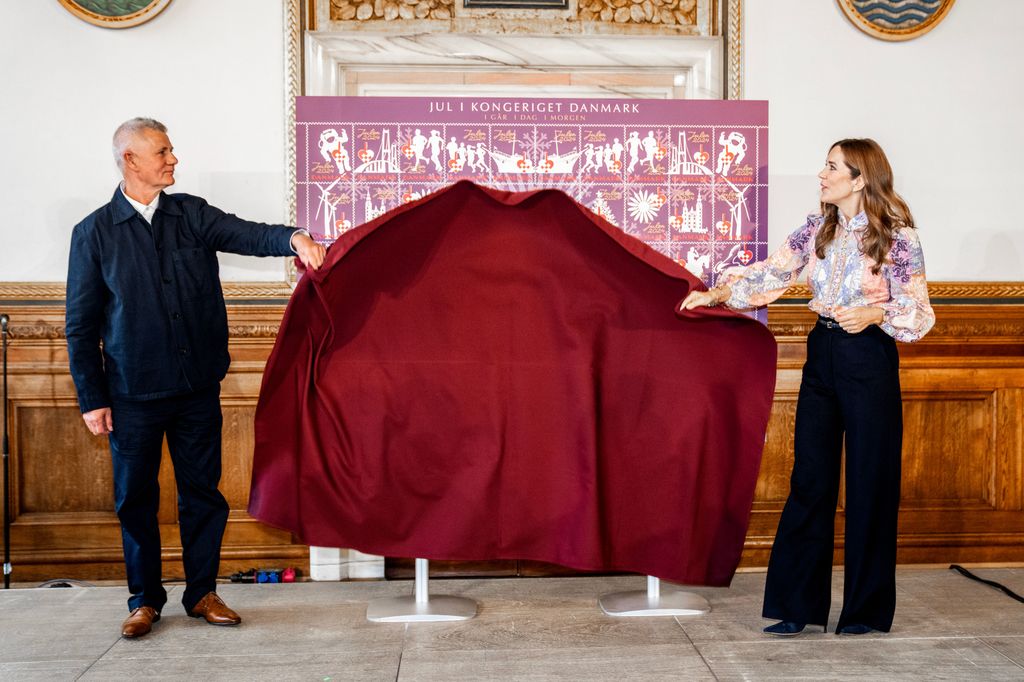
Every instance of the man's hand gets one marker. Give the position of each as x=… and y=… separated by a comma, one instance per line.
x=856, y=320
x=99, y=421
x=309, y=252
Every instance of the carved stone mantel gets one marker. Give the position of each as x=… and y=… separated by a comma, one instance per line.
x=690, y=17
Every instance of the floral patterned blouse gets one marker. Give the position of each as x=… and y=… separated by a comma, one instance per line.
x=843, y=278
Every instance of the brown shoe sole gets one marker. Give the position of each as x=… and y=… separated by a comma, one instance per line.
x=199, y=615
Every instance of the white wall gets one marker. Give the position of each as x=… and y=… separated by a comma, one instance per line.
x=947, y=107
x=213, y=72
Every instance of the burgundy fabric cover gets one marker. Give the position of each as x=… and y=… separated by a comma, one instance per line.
x=492, y=375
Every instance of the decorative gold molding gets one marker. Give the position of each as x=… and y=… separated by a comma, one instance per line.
x=32, y=291
x=790, y=329
x=54, y=291
x=49, y=332
x=309, y=19
x=977, y=329
x=292, y=89
x=255, y=311
x=253, y=331
x=976, y=289
x=25, y=292
x=55, y=332
x=234, y=291
x=944, y=290
x=249, y=322
x=734, y=49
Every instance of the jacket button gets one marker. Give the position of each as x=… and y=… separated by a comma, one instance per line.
x=184, y=351
x=167, y=280
x=176, y=316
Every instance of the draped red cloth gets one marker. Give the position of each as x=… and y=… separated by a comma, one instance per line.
x=493, y=375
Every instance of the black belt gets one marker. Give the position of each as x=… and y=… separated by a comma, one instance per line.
x=829, y=322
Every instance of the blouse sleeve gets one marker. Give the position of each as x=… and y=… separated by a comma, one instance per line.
x=908, y=313
x=761, y=283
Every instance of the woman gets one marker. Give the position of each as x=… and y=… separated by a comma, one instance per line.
x=868, y=287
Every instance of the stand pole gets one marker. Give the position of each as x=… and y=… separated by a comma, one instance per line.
x=653, y=602
x=4, y=319
x=422, y=578
x=420, y=607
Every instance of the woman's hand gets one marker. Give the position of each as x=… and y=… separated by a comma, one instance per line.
x=710, y=298
x=856, y=320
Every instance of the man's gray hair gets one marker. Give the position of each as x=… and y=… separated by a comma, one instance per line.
x=129, y=129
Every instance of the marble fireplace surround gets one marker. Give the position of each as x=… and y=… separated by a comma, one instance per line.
x=500, y=65
x=563, y=65
x=525, y=56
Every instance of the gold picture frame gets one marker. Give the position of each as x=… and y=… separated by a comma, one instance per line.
x=115, y=13
x=895, y=20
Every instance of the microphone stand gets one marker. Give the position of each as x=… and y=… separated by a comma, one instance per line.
x=4, y=319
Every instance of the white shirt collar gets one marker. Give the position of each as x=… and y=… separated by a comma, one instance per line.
x=145, y=210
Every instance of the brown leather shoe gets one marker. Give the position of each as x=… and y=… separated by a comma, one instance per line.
x=139, y=622
x=215, y=611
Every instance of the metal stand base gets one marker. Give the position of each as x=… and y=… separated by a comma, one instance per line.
x=653, y=602
x=408, y=610
x=420, y=608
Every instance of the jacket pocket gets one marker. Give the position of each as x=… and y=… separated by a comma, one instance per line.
x=195, y=278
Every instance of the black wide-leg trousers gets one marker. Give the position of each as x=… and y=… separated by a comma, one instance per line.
x=192, y=424
x=850, y=386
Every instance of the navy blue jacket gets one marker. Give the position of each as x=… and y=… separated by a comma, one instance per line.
x=152, y=295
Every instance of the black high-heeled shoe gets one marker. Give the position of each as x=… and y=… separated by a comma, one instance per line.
x=855, y=629
x=785, y=628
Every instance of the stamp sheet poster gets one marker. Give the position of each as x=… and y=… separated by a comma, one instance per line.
x=688, y=177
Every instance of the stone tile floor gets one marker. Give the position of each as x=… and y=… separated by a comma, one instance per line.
x=947, y=628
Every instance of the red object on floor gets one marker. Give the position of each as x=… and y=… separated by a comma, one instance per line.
x=491, y=375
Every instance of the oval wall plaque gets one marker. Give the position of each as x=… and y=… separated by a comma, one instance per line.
x=115, y=13
x=895, y=19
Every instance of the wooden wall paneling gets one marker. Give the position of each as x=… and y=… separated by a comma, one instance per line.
x=1008, y=440
x=237, y=450
x=61, y=502
x=772, y=486
x=248, y=543
x=167, y=514
x=963, y=492
x=963, y=460
x=57, y=466
x=63, y=523
x=777, y=459
x=949, y=458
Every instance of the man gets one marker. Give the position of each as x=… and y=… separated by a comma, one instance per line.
x=143, y=281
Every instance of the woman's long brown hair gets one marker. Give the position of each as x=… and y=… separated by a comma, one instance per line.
x=885, y=209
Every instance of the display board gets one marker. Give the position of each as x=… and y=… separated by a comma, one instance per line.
x=688, y=177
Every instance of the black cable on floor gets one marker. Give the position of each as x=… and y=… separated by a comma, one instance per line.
x=991, y=583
